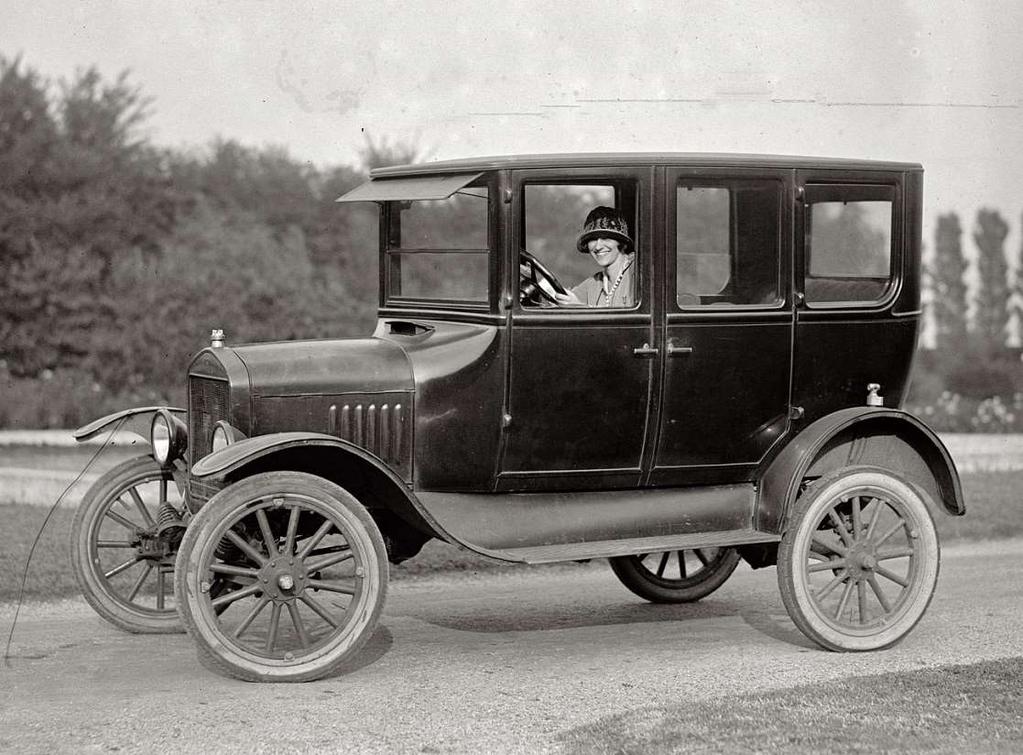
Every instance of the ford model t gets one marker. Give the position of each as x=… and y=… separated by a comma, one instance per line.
x=670, y=361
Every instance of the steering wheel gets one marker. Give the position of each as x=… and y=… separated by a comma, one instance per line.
x=537, y=284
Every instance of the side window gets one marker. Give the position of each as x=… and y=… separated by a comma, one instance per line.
x=439, y=250
x=849, y=250
x=727, y=243
x=556, y=219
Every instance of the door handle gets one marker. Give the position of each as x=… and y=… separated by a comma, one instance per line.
x=674, y=351
x=646, y=350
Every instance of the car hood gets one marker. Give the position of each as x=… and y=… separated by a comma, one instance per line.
x=327, y=367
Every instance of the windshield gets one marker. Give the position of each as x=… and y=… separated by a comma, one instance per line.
x=438, y=250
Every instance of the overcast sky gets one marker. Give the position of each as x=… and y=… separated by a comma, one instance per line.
x=937, y=81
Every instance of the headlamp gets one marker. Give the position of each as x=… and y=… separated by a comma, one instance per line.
x=224, y=435
x=168, y=436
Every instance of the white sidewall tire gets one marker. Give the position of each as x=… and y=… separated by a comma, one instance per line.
x=792, y=560
x=204, y=533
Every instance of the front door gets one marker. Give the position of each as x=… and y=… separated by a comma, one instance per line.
x=727, y=338
x=580, y=378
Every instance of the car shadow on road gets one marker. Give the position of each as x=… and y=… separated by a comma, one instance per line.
x=522, y=617
x=778, y=627
x=376, y=647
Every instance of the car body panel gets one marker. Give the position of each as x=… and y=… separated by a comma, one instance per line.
x=458, y=371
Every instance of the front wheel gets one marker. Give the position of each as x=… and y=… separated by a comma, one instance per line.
x=858, y=563
x=681, y=576
x=281, y=577
x=123, y=542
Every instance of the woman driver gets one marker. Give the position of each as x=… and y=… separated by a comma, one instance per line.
x=605, y=236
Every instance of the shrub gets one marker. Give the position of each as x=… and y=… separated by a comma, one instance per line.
x=66, y=398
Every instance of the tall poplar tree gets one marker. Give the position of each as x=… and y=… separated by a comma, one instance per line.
x=1017, y=289
x=948, y=284
x=993, y=293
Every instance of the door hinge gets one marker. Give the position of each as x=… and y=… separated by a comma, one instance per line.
x=796, y=412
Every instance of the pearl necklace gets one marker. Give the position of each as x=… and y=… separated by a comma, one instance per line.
x=610, y=294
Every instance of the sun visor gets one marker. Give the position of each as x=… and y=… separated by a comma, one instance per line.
x=409, y=188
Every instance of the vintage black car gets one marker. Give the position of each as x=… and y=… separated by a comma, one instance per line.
x=742, y=403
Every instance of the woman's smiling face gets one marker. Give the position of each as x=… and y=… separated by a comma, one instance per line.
x=604, y=251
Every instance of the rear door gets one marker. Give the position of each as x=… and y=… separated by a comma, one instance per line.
x=853, y=327
x=726, y=346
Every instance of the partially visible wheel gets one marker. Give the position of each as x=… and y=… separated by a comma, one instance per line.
x=122, y=560
x=858, y=564
x=281, y=577
x=653, y=575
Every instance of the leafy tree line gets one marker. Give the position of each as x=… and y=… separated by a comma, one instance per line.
x=117, y=257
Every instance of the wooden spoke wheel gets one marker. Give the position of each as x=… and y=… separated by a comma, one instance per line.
x=303, y=571
x=858, y=564
x=123, y=545
x=680, y=576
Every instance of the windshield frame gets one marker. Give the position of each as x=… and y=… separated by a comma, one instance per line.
x=391, y=253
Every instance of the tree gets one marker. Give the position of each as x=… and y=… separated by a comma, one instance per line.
x=217, y=270
x=28, y=133
x=80, y=188
x=345, y=236
x=383, y=152
x=992, y=317
x=1017, y=307
x=267, y=182
x=948, y=286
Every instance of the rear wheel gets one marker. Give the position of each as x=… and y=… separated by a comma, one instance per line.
x=680, y=576
x=123, y=542
x=858, y=564
x=303, y=571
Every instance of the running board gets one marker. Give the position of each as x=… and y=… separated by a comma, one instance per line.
x=543, y=554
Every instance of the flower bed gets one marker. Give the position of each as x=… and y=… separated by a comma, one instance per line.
x=953, y=413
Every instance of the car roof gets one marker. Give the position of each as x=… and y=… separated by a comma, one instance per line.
x=616, y=159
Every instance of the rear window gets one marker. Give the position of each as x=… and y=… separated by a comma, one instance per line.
x=849, y=248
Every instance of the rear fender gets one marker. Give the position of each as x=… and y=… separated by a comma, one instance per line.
x=135, y=421
x=882, y=437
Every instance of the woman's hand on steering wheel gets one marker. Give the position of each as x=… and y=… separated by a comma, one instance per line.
x=537, y=284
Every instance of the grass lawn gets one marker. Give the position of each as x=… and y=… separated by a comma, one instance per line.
x=957, y=709
x=994, y=510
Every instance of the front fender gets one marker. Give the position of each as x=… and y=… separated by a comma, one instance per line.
x=135, y=421
x=384, y=485
x=881, y=436
x=225, y=461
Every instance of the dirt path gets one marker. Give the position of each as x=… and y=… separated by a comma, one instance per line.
x=493, y=663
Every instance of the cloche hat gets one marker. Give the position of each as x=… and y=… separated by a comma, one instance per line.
x=604, y=222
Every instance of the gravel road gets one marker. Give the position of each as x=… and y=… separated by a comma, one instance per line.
x=495, y=663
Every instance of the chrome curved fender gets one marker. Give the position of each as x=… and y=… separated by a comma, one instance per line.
x=135, y=421
x=879, y=436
